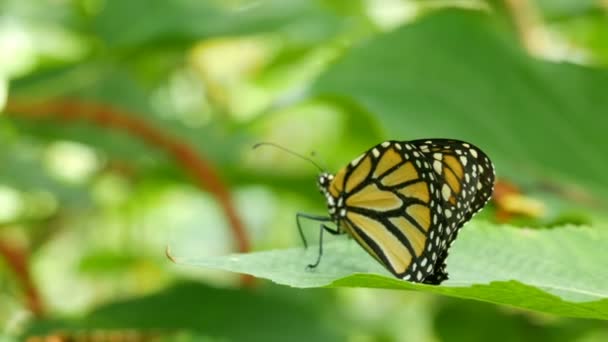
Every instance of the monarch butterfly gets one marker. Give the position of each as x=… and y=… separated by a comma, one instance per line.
x=405, y=201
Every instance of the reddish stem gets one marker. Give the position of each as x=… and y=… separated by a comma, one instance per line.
x=17, y=259
x=190, y=160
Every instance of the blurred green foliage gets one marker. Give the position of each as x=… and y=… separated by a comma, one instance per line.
x=442, y=85
x=90, y=208
x=205, y=311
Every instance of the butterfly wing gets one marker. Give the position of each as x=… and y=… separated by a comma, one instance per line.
x=389, y=205
x=466, y=177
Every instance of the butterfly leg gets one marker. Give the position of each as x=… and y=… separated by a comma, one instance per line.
x=321, y=230
x=310, y=217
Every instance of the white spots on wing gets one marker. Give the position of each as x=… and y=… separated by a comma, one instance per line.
x=463, y=160
x=447, y=213
x=466, y=145
x=438, y=156
x=472, y=151
x=386, y=144
x=446, y=192
x=343, y=212
x=357, y=160
x=408, y=146
x=467, y=178
x=375, y=152
x=437, y=166
x=398, y=147
x=416, y=154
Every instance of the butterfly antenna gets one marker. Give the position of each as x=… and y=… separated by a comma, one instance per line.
x=290, y=152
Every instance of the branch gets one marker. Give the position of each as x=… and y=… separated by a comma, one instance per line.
x=17, y=259
x=203, y=173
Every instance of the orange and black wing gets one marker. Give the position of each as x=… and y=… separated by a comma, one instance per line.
x=390, y=207
x=466, y=179
x=397, y=205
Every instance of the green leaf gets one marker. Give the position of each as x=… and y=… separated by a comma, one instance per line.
x=190, y=20
x=481, y=320
x=235, y=315
x=565, y=8
x=460, y=74
x=558, y=271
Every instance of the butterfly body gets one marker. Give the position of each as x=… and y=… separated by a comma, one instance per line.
x=404, y=202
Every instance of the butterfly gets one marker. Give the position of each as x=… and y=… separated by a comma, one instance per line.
x=404, y=202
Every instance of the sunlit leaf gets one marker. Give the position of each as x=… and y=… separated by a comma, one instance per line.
x=558, y=271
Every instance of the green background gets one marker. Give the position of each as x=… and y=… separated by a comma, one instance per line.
x=127, y=126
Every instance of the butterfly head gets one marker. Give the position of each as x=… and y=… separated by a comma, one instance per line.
x=324, y=182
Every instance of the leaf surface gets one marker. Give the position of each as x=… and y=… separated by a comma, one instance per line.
x=557, y=271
